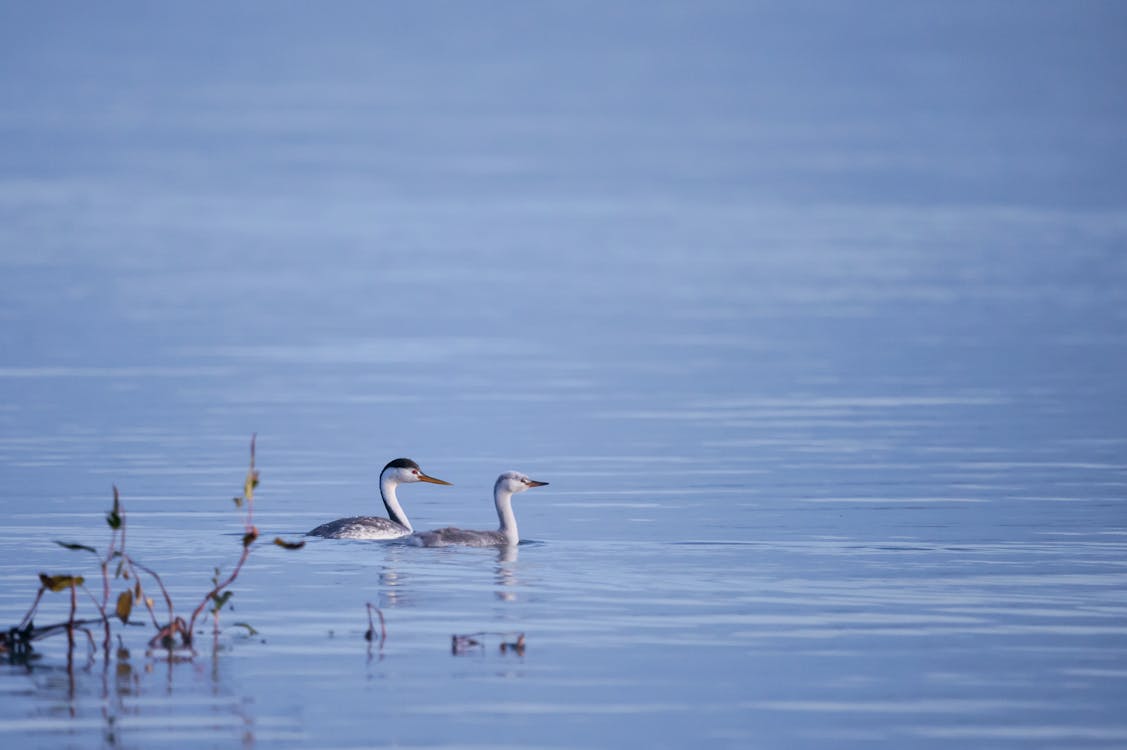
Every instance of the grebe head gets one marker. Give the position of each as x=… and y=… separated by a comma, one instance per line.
x=406, y=471
x=514, y=481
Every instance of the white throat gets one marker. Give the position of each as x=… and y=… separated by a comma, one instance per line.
x=503, y=499
x=391, y=502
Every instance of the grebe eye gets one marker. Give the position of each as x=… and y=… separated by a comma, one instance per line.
x=415, y=472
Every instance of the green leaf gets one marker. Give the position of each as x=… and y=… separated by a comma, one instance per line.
x=221, y=599
x=250, y=630
x=72, y=545
x=113, y=518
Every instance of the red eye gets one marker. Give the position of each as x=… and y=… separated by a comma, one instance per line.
x=415, y=472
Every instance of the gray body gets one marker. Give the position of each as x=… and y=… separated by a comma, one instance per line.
x=507, y=485
x=452, y=536
x=361, y=527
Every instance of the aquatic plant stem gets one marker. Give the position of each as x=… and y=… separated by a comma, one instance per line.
x=70, y=620
x=34, y=606
x=215, y=591
x=164, y=592
x=249, y=537
x=110, y=554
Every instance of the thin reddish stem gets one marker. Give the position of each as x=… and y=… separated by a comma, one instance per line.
x=217, y=588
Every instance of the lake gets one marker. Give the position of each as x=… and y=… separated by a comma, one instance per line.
x=812, y=316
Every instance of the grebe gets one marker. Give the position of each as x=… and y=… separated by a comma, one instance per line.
x=508, y=484
x=397, y=472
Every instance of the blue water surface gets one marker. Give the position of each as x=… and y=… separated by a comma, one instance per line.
x=812, y=315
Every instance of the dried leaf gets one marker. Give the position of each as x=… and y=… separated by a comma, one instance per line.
x=60, y=583
x=250, y=536
x=72, y=545
x=124, y=605
x=149, y=602
x=287, y=545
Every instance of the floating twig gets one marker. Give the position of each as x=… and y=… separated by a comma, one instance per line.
x=463, y=644
x=516, y=646
x=460, y=644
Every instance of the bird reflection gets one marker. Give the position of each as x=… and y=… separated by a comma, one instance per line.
x=393, y=583
x=505, y=573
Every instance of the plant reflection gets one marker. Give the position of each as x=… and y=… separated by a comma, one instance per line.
x=114, y=697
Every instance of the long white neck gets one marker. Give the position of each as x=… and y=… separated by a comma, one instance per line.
x=391, y=502
x=503, y=499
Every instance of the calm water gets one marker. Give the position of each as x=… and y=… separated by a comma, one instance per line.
x=814, y=318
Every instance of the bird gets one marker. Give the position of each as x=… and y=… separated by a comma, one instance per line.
x=396, y=525
x=507, y=485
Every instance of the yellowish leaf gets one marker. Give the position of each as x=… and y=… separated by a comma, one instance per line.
x=124, y=605
x=60, y=583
